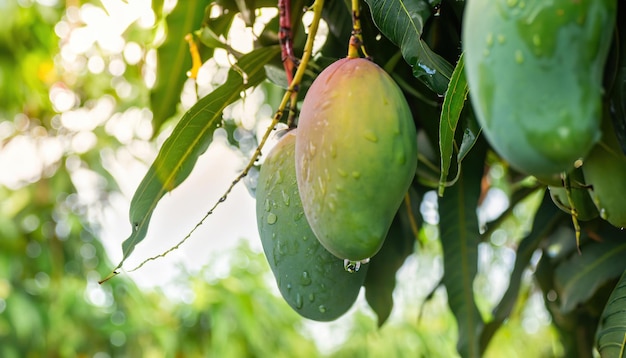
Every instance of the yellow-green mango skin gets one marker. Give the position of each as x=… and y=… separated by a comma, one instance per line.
x=605, y=173
x=310, y=279
x=356, y=155
x=535, y=69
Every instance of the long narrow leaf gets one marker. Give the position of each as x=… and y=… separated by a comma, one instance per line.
x=402, y=22
x=453, y=104
x=611, y=336
x=174, y=60
x=578, y=278
x=380, y=281
x=460, y=238
x=188, y=141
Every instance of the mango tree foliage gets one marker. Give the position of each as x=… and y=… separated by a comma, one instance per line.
x=191, y=67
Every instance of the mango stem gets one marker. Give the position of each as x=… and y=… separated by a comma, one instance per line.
x=356, y=38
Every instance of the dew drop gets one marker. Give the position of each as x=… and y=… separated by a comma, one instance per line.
x=490, y=39
x=271, y=218
x=333, y=151
x=519, y=57
x=299, y=300
x=305, y=279
x=298, y=216
x=322, y=308
x=401, y=158
x=603, y=213
x=501, y=39
x=511, y=3
x=288, y=287
x=342, y=172
x=536, y=40
x=279, y=177
x=312, y=149
x=267, y=204
x=351, y=266
x=371, y=136
x=223, y=199
x=282, y=250
x=331, y=206
x=356, y=175
x=285, y=198
x=321, y=185
x=305, y=238
x=311, y=297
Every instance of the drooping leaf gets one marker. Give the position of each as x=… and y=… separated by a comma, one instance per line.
x=578, y=278
x=611, y=334
x=402, y=22
x=460, y=237
x=546, y=217
x=188, y=141
x=471, y=132
x=174, y=60
x=453, y=104
x=399, y=244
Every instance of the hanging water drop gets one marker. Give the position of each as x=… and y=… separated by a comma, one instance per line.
x=305, y=279
x=351, y=266
x=271, y=218
x=299, y=302
x=285, y=198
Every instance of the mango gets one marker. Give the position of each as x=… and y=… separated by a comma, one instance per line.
x=356, y=155
x=605, y=173
x=535, y=71
x=311, y=280
x=581, y=201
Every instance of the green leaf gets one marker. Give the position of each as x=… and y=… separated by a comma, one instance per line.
x=460, y=237
x=471, y=132
x=188, y=141
x=578, y=278
x=399, y=244
x=546, y=218
x=402, y=22
x=174, y=60
x=611, y=334
x=453, y=104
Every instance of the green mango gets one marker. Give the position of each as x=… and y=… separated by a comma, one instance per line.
x=605, y=173
x=579, y=194
x=311, y=280
x=535, y=71
x=356, y=155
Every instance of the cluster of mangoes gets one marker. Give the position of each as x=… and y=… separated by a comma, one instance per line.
x=329, y=190
x=535, y=70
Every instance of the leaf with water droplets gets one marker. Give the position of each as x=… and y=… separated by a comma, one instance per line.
x=402, y=22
